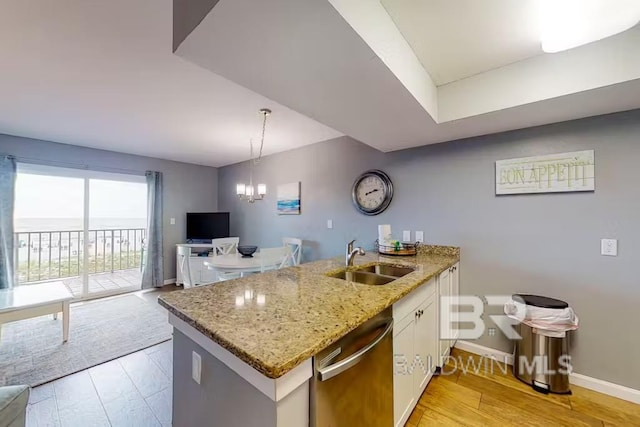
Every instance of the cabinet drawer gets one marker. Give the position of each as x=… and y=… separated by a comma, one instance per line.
x=410, y=303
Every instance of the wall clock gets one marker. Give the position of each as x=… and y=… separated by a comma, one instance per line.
x=372, y=192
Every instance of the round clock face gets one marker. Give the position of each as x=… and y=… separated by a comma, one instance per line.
x=372, y=192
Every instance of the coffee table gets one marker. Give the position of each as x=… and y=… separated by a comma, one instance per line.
x=27, y=301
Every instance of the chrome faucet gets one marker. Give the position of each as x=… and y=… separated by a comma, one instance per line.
x=351, y=253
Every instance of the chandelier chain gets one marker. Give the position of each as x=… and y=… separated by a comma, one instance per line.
x=248, y=192
x=265, y=113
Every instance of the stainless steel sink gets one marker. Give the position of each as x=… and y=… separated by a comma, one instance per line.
x=388, y=270
x=364, y=277
x=376, y=275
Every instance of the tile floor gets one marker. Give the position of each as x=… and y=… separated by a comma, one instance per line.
x=132, y=391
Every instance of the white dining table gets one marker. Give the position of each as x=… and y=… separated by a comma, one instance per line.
x=236, y=263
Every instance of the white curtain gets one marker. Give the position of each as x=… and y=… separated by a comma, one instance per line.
x=7, y=197
x=153, y=262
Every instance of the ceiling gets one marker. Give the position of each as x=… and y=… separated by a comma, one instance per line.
x=346, y=64
x=393, y=74
x=457, y=39
x=102, y=74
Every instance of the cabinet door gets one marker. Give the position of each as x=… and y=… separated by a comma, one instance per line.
x=444, y=317
x=196, y=264
x=208, y=276
x=455, y=292
x=425, y=342
x=403, y=391
x=179, y=280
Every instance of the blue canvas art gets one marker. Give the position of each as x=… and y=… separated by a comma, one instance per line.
x=289, y=199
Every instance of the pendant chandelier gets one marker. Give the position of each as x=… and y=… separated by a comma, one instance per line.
x=247, y=192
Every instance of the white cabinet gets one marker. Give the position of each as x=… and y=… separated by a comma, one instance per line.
x=448, y=290
x=455, y=293
x=414, y=347
x=404, y=396
x=425, y=343
x=201, y=274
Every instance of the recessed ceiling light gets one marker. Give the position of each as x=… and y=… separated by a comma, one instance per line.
x=566, y=24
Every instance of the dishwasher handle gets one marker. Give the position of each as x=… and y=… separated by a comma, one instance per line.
x=331, y=371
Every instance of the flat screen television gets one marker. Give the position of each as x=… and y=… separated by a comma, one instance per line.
x=204, y=226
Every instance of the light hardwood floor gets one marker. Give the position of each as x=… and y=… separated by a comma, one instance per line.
x=496, y=398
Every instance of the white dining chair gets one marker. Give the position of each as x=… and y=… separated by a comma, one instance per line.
x=296, y=249
x=225, y=246
x=274, y=258
x=184, y=253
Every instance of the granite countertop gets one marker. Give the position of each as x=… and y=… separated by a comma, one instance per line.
x=274, y=321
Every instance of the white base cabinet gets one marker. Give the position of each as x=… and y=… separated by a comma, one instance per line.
x=201, y=274
x=414, y=347
x=448, y=287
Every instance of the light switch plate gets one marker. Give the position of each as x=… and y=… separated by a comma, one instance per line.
x=406, y=236
x=196, y=366
x=172, y=221
x=609, y=247
x=329, y=223
x=420, y=236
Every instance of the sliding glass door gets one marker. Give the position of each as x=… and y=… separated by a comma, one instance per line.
x=49, y=218
x=84, y=228
x=117, y=229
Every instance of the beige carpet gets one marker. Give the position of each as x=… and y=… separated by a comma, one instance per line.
x=31, y=351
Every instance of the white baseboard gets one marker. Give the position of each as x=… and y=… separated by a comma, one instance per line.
x=604, y=387
x=481, y=350
x=170, y=281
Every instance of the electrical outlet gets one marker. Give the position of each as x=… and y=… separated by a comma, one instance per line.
x=420, y=236
x=196, y=367
x=609, y=247
x=172, y=221
x=406, y=236
x=329, y=223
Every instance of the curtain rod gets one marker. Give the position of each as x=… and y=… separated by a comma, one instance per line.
x=45, y=162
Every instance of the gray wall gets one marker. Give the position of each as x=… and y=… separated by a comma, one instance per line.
x=187, y=187
x=547, y=244
x=216, y=400
x=327, y=171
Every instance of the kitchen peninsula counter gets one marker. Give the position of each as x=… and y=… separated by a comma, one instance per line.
x=274, y=321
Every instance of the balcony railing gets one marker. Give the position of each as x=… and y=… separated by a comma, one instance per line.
x=48, y=255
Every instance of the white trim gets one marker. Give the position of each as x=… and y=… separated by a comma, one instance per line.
x=275, y=389
x=595, y=384
x=79, y=171
x=481, y=350
x=170, y=282
x=605, y=387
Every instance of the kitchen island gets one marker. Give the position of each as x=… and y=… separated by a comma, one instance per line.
x=243, y=349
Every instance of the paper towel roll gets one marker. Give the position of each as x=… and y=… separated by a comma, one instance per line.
x=384, y=234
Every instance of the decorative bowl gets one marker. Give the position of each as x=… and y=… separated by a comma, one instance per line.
x=247, y=251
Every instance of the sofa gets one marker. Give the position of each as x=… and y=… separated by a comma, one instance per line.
x=13, y=405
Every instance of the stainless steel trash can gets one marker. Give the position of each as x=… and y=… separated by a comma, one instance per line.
x=540, y=360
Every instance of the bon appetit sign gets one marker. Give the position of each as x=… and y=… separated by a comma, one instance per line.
x=552, y=173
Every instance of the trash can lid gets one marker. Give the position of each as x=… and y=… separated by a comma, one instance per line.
x=539, y=301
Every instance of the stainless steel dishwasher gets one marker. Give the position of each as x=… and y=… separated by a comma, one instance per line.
x=353, y=378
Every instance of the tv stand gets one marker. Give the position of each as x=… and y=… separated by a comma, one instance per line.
x=201, y=274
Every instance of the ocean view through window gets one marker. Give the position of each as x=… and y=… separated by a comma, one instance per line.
x=86, y=229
